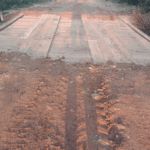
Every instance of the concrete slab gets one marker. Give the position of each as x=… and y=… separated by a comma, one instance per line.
x=33, y=27
x=25, y=23
x=8, y=41
x=5, y=25
x=142, y=34
x=69, y=42
x=85, y=40
x=116, y=42
x=19, y=26
x=38, y=42
x=10, y=35
x=95, y=50
x=133, y=42
x=75, y=58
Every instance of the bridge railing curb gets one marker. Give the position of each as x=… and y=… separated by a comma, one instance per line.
x=5, y=25
x=135, y=29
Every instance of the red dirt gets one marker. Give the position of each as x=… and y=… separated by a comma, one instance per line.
x=51, y=105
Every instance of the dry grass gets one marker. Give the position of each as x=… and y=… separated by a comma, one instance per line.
x=138, y=17
x=141, y=21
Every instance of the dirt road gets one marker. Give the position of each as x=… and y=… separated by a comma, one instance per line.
x=52, y=105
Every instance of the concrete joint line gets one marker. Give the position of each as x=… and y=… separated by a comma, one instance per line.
x=53, y=36
x=5, y=25
x=28, y=33
x=135, y=29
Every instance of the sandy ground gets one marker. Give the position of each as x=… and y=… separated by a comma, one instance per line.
x=51, y=105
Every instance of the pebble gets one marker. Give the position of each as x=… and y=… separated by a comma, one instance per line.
x=22, y=69
x=101, y=93
x=90, y=68
x=120, y=127
x=83, y=92
x=71, y=110
x=48, y=107
x=95, y=96
x=128, y=137
x=100, y=90
x=2, y=87
x=14, y=59
x=6, y=76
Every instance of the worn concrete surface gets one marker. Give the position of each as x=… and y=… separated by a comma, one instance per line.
x=87, y=31
x=117, y=42
x=70, y=43
x=10, y=35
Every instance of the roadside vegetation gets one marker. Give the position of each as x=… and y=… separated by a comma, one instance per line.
x=138, y=3
x=140, y=16
x=141, y=20
x=12, y=4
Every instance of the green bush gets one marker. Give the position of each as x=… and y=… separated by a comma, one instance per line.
x=6, y=4
x=136, y=2
x=144, y=4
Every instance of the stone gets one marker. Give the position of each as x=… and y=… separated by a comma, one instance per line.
x=100, y=90
x=95, y=91
x=22, y=69
x=95, y=96
x=101, y=93
x=2, y=87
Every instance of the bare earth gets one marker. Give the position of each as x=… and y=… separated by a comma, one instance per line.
x=53, y=105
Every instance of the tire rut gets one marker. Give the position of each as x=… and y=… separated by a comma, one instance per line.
x=67, y=107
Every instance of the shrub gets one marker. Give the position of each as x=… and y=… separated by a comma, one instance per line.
x=136, y=2
x=141, y=22
x=6, y=4
x=144, y=4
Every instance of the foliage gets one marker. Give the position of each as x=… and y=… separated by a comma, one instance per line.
x=144, y=4
x=6, y=4
x=141, y=21
x=134, y=2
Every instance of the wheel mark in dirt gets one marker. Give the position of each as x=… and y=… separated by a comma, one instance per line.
x=91, y=117
x=81, y=119
x=31, y=124
x=101, y=131
x=71, y=116
x=58, y=112
x=91, y=123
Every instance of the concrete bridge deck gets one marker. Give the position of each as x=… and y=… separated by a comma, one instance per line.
x=96, y=39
